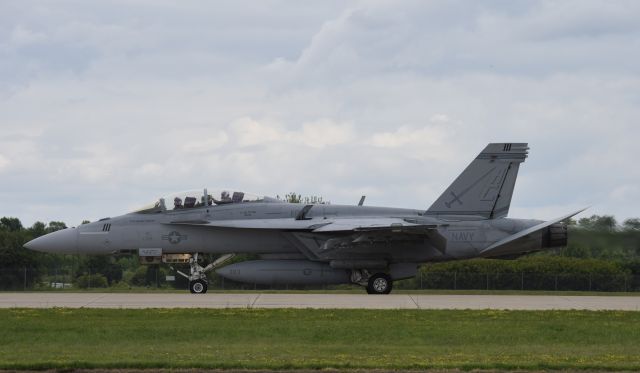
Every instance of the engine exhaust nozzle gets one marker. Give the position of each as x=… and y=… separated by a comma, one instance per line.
x=555, y=236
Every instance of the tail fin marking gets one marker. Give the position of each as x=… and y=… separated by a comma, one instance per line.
x=486, y=186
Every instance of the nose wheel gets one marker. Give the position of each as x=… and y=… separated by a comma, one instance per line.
x=198, y=286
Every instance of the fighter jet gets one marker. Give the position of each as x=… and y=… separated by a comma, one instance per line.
x=324, y=243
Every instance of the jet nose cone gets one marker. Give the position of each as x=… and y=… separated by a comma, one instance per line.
x=64, y=241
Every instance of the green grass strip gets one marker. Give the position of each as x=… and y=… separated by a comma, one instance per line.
x=315, y=339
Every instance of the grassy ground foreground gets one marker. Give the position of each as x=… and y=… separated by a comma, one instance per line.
x=317, y=339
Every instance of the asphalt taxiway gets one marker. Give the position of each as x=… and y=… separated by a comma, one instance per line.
x=287, y=300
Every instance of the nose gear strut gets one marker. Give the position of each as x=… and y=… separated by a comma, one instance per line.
x=197, y=274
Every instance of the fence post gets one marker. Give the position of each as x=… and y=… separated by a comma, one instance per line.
x=589, y=281
x=455, y=280
x=556, y=281
x=421, y=280
x=25, y=278
x=487, y=281
x=521, y=280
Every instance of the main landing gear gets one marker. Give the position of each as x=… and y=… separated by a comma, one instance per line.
x=197, y=277
x=378, y=283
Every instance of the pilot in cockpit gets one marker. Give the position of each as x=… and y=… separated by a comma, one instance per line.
x=224, y=198
x=177, y=203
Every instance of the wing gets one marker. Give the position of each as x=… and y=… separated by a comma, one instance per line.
x=319, y=225
x=373, y=224
x=355, y=230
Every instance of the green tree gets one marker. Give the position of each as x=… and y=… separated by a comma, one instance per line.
x=139, y=276
x=17, y=264
x=10, y=224
x=606, y=223
x=103, y=265
x=632, y=224
x=38, y=229
x=293, y=197
x=55, y=226
x=92, y=281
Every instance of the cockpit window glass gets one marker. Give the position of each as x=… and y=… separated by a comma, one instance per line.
x=224, y=197
x=151, y=208
x=199, y=198
x=185, y=200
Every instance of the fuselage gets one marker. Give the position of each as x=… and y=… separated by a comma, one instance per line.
x=324, y=243
x=465, y=236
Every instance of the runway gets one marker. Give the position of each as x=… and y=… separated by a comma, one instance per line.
x=327, y=301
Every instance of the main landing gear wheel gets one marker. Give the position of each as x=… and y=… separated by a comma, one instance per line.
x=380, y=283
x=198, y=286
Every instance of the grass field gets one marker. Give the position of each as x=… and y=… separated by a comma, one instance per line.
x=311, y=339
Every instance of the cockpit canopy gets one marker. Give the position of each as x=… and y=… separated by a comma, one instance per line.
x=200, y=198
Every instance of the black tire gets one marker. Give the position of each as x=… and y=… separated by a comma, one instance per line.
x=380, y=283
x=198, y=287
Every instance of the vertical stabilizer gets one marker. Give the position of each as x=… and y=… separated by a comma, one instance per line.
x=485, y=187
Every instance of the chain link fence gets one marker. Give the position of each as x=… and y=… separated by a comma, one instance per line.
x=29, y=279
x=523, y=281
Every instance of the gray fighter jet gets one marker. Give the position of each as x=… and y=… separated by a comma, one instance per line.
x=323, y=243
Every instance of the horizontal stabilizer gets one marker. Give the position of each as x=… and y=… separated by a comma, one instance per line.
x=493, y=248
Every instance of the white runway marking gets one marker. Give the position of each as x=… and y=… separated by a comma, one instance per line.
x=353, y=301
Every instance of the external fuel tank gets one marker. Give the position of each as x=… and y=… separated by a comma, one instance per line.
x=274, y=272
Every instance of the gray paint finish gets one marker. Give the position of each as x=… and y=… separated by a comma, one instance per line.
x=348, y=243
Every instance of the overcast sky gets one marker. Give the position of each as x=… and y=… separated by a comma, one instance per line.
x=104, y=106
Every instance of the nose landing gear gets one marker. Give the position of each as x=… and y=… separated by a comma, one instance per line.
x=197, y=277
